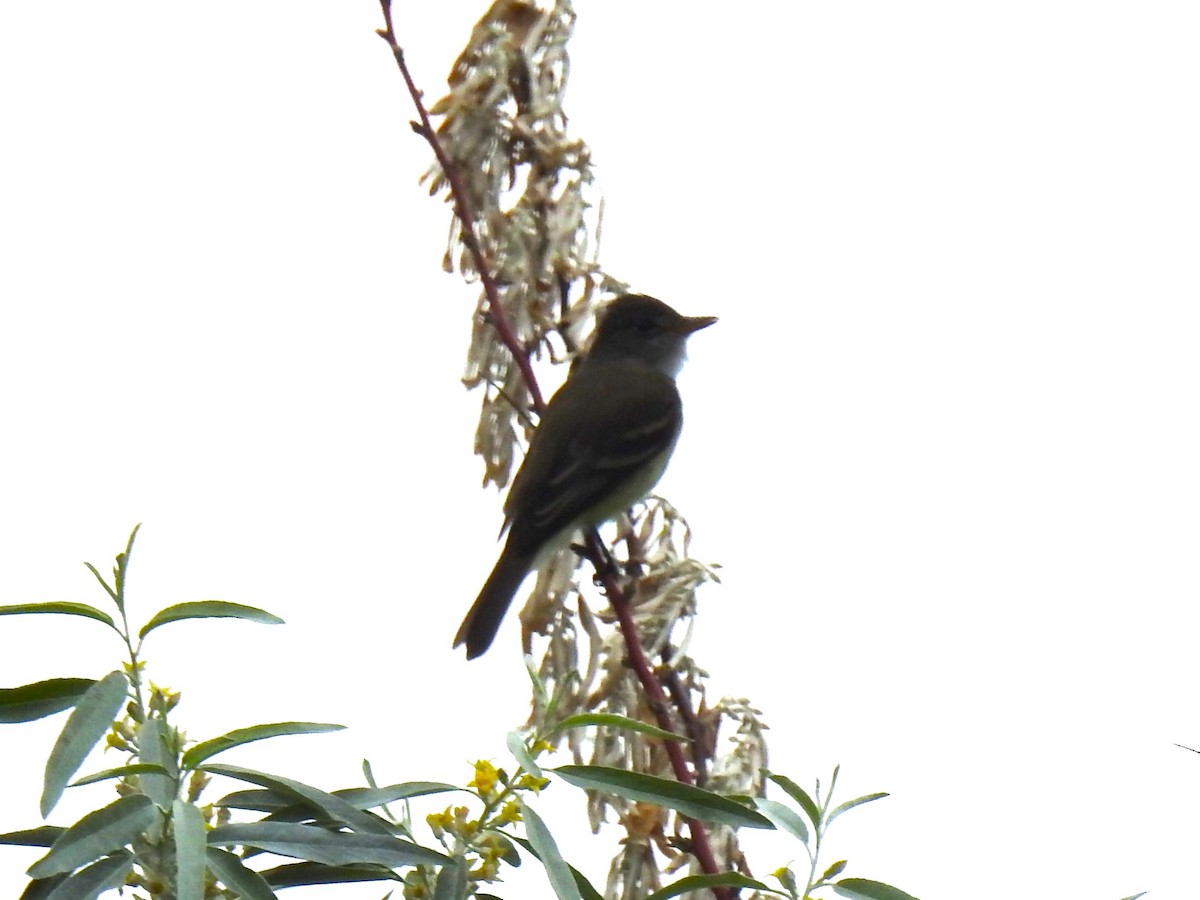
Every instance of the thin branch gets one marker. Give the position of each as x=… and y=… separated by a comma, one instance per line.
x=657, y=698
x=597, y=553
x=466, y=215
x=691, y=726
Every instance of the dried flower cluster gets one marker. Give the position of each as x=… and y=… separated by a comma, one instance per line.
x=528, y=183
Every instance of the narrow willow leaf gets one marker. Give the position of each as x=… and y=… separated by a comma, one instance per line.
x=44, y=836
x=287, y=809
x=121, y=569
x=798, y=794
x=155, y=748
x=306, y=873
x=700, y=882
x=865, y=889
x=333, y=848
x=508, y=853
x=190, y=845
x=62, y=607
x=784, y=818
x=121, y=772
x=369, y=798
x=610, y=720
x=209, y=609
x=334, y=807
x=850, y=804
x=207, y=749
x=40, y=699
x=1144, y=893
x=42, y=887
x=557, y=871
x=248, y=884
x=835, y=870
x=89, y=883
x=516, y=746
x=97, y=834
x=104, y=584
x=694, y=802
x=585, y=886
x=258, y=801
x=451, y=881
x=87, y=724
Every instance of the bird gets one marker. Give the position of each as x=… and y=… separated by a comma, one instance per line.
x=601, y=445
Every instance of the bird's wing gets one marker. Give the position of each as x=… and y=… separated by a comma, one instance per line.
x=626, y=421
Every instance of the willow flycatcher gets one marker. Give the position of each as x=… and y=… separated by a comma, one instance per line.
x=601, y=445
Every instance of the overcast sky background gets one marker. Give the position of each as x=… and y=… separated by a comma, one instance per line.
x=943, y=441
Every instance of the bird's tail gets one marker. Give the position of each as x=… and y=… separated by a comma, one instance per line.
x=483, y=619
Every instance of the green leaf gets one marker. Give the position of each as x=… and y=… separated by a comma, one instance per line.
x=121, y=569
x=285, y=808
x=835, y=870
x=516, y=746
x=369, y=798
x=42, y=887
x=209, y=609
x=40, y=699
x=452, y=881
x=798, y=794
x=102, y=875
x=259, y=801
x=190, y=845
x=207, y=749
x=44, y=836
x=87, y=724
x=121, y=772
x=306, y=873
x=335, y=807
x=157, y=748
x=103, y=583
x=584, y=886
x=97, y=834
x=865, y=889
x=1144, y=893
x=850, y=804
x=692, y=883
x=609, y=720
x=509, y=853
x=693, y=802
x=784, y=818
x=333, y=848
x=557, y=871
x=248, y=884
x=62, y=607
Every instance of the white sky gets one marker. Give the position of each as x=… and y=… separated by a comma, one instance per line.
x=953, y=249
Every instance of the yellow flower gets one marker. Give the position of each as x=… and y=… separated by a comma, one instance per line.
x=440, y=823
x=532, y=783
x=486, y=777
x=487, y=870
x=511, y=812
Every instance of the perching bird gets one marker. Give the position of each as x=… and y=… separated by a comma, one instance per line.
x=601, y=445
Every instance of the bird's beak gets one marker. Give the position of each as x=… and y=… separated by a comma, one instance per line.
x=692, y=324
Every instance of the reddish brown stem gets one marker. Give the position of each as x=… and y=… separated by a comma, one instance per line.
x=654, y=693
x=596, y=550
x=466, y=216
x=683, y=706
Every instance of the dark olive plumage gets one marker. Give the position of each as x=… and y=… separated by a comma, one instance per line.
x=602, y=444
